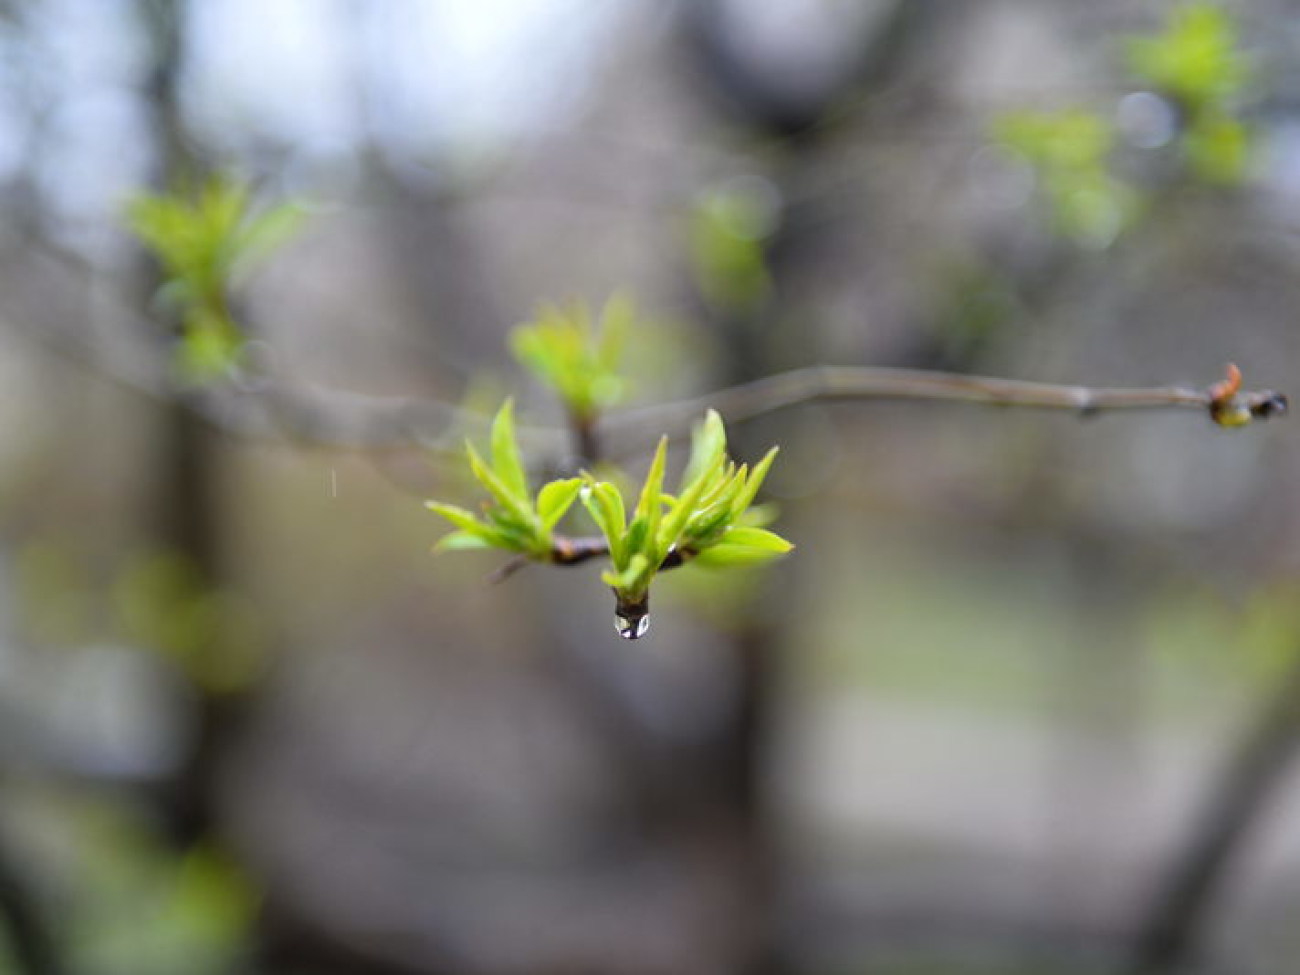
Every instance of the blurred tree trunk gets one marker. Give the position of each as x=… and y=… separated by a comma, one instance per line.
x=184, y=506
x=755, y=343
x=1236, y=801
x=28, y=935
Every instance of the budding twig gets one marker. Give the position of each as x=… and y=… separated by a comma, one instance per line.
x=1225, y=402
x=566, y=551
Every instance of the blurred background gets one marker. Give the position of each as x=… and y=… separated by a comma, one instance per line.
x=1024, y=700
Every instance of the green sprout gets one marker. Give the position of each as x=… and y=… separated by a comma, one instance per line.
x=711, y=519
x=1196, y=60
x=513, y=520
x=703, y=522
x=577, y=357
x=205, y=242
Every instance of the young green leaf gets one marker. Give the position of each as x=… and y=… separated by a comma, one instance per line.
x=745, y=496
x=460, y=541
x=555, y=499
x=515, y=504
x=605, y=505
x=650, y=505
x=634, y=540
x=708, y=449
x=724, y=555
x=675, y=521
x=458, y=516
x=505, y=451
x=757, y=538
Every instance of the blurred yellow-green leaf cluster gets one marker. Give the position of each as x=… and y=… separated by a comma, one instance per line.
x=513, y=520
x=1070, y=151
x=576, y=356
x=1198, y=64
x=728, y=228
x=205, y=241
x=1196, y=67
x=154, y=599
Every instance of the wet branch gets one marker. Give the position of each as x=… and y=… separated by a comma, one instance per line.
x=1225, y=401
x=331, y=419
x=567, y=551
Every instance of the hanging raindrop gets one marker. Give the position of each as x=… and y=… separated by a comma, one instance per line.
x=631, y=627
x=631, y=616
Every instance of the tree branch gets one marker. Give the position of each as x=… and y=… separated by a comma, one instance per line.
x=270, y=408
x=1225, y=402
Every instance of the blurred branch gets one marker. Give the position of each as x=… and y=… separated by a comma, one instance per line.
x=270, y=408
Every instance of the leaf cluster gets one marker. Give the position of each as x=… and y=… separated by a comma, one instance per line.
x=576, y=356
x=710, y=520
x=1070, y=150
x=702, y=522
x=728, y=232
x=1197, y=67
x=513, y=519
x=204, y=242
x=1198, y=64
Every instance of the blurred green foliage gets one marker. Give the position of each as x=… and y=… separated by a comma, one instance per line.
x=577, y=357
x=152, y=599
x=1071, y=151
x=1195, y=60
x=161, y=601
x=1196, y=64
x=728, y=230
x=205, y=241
x=138, y=908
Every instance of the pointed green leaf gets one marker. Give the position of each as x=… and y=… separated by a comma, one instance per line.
x=745, y=496
x=506, y=461
x=707, y=523
x=457, y=516
x=757, y=538
x=687, y=504
x=708, y=449
x=724, y=555
x=555, y=499
x=460, y=541
x=724, y=488
x=605, y=505
x=650, y=505
x=634, y=540
x=517, y=506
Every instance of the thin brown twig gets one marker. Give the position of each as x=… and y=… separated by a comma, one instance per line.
x=569, y=550
x=1224, y=401
x=324, y=418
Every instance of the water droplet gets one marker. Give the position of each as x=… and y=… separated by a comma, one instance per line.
x=631, y=627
